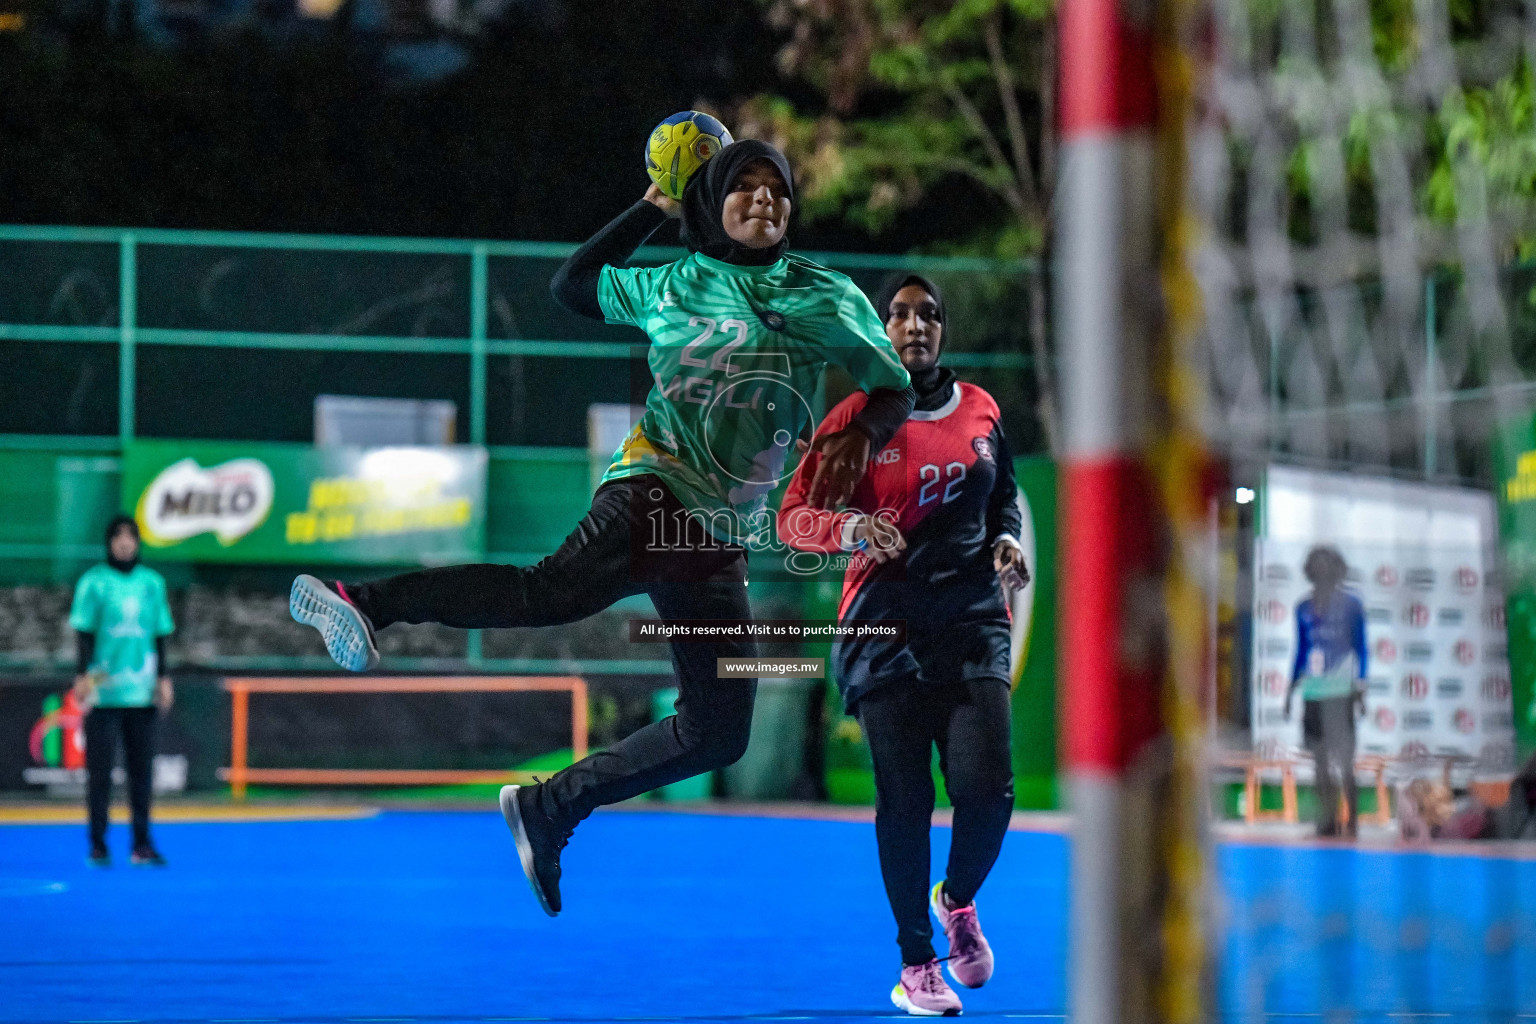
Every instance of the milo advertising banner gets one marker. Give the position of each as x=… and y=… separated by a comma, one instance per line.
x=222, y=501
x=1515, y=464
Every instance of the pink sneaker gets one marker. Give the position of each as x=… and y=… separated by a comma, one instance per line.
x=923, y=992
x=970, y=957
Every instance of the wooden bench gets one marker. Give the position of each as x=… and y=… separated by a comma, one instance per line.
x=1252, y=768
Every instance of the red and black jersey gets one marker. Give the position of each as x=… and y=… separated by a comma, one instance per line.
x=945, y=480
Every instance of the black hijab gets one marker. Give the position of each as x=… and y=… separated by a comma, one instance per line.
x=935, y=385
x=117, y=523
x=704, y=204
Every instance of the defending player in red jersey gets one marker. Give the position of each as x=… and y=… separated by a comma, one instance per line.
x=934, y=529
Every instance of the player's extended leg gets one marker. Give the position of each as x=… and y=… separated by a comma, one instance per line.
x=688, y=575
x=710, y=729
x=587, y=573
x=898, y=723
x=976, y=759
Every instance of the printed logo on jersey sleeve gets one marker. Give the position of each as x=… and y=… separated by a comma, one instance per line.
x=983, y=447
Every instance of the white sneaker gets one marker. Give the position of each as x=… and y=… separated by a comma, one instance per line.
x=347, y=633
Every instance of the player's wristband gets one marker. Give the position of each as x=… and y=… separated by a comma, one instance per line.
x=846, y=541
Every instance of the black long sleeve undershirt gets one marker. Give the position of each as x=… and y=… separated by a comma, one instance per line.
x=574, y=285
x=85, y=649
x=1002, y=505
x=883, y=415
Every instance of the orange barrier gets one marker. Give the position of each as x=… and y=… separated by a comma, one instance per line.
x=1251, y=767
x=240, y=774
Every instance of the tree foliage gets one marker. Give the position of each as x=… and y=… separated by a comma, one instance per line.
x=1464, y=116
x=918, y=101
x=913, y=95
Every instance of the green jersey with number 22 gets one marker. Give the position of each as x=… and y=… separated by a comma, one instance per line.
x=736, y=353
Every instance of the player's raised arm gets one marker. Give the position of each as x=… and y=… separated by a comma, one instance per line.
x=575, y=284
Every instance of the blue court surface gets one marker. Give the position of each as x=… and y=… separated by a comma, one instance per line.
x=426, y=917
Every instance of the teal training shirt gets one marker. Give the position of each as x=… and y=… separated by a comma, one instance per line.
x=126, y=612
x=736, y=355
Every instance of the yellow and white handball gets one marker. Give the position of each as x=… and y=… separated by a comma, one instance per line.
x=679, y=146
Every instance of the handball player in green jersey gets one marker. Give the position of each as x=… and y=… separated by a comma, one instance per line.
x=740, y=333
x=121, y=619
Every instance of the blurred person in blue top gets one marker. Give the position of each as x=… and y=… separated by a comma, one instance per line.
x=121, y=619
x=1330, y=672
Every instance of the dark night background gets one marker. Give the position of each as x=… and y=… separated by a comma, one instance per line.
x=277, y=123
x=490, y=119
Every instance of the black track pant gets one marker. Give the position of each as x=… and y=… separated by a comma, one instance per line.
x=1328, y=729
x=969, y=722
x=102, y=728
x=637, y=538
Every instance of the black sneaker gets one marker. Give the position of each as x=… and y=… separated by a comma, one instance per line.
x=347, y=633
x=99, y=857
x=539, y=842
x=146, y=856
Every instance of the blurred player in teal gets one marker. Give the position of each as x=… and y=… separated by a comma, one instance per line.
x=740, y=334
x=121, y=619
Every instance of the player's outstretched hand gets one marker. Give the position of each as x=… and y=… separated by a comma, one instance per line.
x=879, y=538
x=844, y=457
x=663, y=202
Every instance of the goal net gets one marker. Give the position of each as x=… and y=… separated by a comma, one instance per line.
x=1343, y=356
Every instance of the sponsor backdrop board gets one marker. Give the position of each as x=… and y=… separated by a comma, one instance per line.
x=292, y=503
x=1438, y=681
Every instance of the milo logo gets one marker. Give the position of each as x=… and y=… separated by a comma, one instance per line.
x=228, y=500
